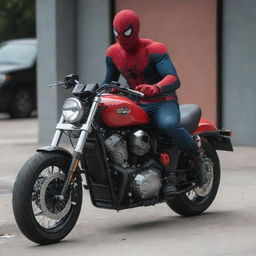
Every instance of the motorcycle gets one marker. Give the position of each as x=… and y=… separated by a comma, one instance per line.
x=119, y=157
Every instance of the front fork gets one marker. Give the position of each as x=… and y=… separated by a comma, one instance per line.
x=77, y=154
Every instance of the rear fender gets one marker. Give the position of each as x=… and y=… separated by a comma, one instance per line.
x=205, y=126
x=220, y=139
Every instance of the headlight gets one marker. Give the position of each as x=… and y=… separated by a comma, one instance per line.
x=72, y=110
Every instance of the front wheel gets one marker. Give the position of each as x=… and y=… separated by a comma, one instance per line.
x=39, y=214
x=199, y=199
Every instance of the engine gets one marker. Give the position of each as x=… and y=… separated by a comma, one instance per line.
x=139, y=142
x=117, y=146
x=146, y=183
x=117, y=149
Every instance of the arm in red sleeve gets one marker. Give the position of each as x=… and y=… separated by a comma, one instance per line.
x=170, y=81
x=166, y=69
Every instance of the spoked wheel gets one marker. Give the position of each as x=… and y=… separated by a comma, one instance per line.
x=199, y=199
x=42, y=217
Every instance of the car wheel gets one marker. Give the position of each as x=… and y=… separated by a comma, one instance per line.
x=22, y=104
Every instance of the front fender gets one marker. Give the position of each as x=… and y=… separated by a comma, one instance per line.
x=63, y=151
x=50, y=149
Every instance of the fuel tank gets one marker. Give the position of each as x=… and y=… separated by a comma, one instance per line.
x=118, y=111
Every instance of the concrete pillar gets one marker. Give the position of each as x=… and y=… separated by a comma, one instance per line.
x=72, y=38
x=56, y=33
x=93, y=38
x=239, y=76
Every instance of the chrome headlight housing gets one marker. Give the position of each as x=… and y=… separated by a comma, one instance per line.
x=72, y=110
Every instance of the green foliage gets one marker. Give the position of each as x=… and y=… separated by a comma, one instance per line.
x=17, y=19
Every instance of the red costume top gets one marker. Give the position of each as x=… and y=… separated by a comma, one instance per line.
x=145, y=64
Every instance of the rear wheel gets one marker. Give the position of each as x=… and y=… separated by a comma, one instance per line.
x=199, y=199
x=39, y=214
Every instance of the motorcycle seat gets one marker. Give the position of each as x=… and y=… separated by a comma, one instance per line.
x=190, y=115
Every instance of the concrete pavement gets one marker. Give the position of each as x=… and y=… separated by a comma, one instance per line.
x=227, y=228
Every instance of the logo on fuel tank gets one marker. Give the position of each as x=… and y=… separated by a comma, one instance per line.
x=123, y=111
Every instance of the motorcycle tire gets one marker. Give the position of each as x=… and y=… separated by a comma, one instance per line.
x=184, y=205
x=39, y=180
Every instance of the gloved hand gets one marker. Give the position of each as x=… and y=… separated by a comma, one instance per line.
x=148, y=90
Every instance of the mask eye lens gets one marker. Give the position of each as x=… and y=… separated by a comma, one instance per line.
x=128, y=32
x=115, y=33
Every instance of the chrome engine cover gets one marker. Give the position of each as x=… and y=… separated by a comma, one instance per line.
x=139, y=142
x=117, y=149
x=147, y=184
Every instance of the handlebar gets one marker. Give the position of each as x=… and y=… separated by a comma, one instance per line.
x=140, y=94
x=60, y=84
x=71, y=82
x=122, y=88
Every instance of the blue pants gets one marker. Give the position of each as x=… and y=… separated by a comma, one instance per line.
x=166, y=117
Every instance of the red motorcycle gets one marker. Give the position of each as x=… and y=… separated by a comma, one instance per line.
x=122, y=159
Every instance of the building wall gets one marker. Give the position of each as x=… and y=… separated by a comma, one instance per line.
x=188, y=28
x=73, y=36
x=239, y=76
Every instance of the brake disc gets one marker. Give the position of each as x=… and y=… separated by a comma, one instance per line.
x=58, y=212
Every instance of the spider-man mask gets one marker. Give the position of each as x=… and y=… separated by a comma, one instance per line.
x=126, y=27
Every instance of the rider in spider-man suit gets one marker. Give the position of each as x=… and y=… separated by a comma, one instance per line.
x=146, y=66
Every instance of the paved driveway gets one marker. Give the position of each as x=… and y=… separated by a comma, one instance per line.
x=227, y=228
